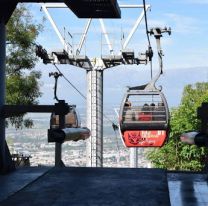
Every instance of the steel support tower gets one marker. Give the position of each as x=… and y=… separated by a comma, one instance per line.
x=133, y=157
x=95, y=117
x=95, y=70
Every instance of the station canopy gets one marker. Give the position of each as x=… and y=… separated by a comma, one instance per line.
x=94, y=8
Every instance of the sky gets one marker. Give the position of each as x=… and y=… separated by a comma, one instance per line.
x=185, y=51
x=186, y=47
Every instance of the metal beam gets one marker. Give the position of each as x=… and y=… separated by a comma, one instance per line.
x=122, y=6
x=134, y=28
x=106, y=36
x=14, y=110
x=61, y=38
x=83, y=38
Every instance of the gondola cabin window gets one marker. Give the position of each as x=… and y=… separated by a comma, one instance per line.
x=144, y=108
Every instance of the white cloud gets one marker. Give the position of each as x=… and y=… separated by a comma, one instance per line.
x=157, y=23
x=183, y=24
x=49, y=86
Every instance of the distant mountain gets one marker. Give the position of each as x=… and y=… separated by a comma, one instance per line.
x=172, y=82
x=115, y=82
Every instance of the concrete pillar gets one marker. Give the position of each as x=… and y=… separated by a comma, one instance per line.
x=95, y=117
x=133, y=157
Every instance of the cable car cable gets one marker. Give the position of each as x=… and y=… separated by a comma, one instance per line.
x=148, y=38
x=69, y=82
x=56, y=75
x=81, y=93
x=117, y=145
x=146, y=23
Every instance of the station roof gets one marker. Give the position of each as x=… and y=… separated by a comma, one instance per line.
x=81, y=8
x=94, y=8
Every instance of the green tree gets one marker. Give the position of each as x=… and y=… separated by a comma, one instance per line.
x=175, y=155
x=22, y=85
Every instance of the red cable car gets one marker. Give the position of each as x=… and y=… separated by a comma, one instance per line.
x=144, y=114
x=144, y=118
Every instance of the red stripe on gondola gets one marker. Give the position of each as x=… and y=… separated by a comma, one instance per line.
x=144, y=138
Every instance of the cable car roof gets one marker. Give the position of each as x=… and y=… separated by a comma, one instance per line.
x=143, y=92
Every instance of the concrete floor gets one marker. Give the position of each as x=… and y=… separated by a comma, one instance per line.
x=14, y=182
x=102, y=186
x=188, y=189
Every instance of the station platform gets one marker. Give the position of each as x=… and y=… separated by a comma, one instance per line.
x=102, y=186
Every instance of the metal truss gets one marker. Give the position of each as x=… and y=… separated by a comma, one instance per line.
x=95, y=69
x=108, y=60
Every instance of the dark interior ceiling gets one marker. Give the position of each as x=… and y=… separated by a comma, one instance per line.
x=94, y=8
x=81, y=8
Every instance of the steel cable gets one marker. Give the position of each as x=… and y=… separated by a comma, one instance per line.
x=147, y=33
x=81, y=94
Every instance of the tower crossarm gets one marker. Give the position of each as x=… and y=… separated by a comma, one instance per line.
x=127, y=57
x=81, y=61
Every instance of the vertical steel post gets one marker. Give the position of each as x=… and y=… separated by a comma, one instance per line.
x=95, y=117
x=58, y=156
x=2, y=93
x=58, y=146
x=134, y=157
x=99, y=118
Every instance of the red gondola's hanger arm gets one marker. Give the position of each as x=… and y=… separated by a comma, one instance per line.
x=157, y=32
x=56, y=75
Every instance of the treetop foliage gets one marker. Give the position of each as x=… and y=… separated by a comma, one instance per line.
x=22, y=81
x=175, y=155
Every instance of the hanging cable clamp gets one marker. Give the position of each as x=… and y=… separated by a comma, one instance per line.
x=115, y=126
x=149, y=53
x=56, y=75
x=157, y=31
